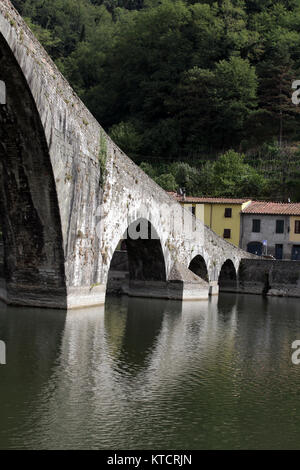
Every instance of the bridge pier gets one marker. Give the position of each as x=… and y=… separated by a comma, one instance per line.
x=33, y=296
x=82, y=297
x=213, y=288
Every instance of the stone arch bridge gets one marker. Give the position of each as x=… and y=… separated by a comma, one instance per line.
x=69, y=194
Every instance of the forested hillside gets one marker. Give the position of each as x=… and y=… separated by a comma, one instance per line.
x=200, y=92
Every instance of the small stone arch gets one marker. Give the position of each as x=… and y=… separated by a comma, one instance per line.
x=199, y=267
x=228, y=277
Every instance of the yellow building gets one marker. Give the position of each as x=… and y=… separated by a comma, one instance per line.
x=295, y=228
x=295, y=233
x=222, y=215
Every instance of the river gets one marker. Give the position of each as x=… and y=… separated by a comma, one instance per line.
x=152, y=374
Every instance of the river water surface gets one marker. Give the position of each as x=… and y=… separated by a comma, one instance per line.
x=152, y=374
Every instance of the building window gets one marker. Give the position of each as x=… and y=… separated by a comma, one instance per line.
x=192, y=209
x=256, y=225
x=297, y=226
x=228, y=212
x=279, y=226
x=227, y=233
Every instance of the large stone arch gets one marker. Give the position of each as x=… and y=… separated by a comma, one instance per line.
x=145, y=255
x=142, y=261
x=110, y=231
x=73, y=139
x=29, y=212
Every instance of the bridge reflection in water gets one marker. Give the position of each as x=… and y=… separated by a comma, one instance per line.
x=151, y=374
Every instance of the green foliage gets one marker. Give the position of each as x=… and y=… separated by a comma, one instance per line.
x=232, y=177
x=228, y=176
x=185, y=176
x=45, y=36
x=126, y=137
x=102, y=158
x=185, y=81
x=166, y=181
x=148, y=169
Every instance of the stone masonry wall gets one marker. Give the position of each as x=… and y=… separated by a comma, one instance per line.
x=269, y=277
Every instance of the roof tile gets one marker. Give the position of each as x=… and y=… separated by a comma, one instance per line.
x=208, y=200
x=254, y=207
x=269, y=208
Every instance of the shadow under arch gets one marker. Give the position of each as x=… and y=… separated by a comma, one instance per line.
x=138, y=259
x=33, y=261
x=228, y=277
x=198, y=266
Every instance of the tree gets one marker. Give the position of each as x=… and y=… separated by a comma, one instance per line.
x=214, y=106
x=236, y=87
x=185, y=176
x=194, y=105
x=233, y=178
x=127, y=138
x=167, y=182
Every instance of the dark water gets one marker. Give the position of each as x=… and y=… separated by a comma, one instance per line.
x=151, y=374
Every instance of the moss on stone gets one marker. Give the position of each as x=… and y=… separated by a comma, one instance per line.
x=102, y=157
